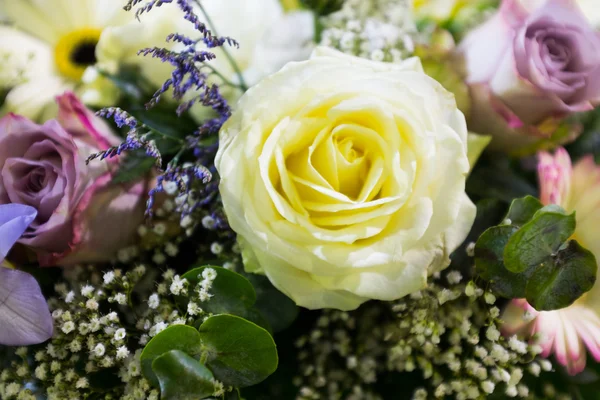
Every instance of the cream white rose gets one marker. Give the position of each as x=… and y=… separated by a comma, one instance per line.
x=344, y=179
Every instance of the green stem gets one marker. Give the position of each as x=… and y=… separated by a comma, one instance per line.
x=222, y=77
x=232, y=62
x=318, y=27
x=175, y=160
x=204, y=357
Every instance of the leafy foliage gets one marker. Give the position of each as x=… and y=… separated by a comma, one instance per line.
x=239, y=352
x=183, y=360
x=182, y=377
x=531, y=256
x=178, y=337
x=233, y=294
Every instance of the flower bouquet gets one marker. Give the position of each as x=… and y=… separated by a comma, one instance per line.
x=299, y=199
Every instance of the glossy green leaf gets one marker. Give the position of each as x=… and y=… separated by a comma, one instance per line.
x=522, y=210
x=489, y=263
x=182, y=377
x=176, y=337
x=164, y=120
x=562, y=279
x=232, y=293
x=239, y=352
x=539, y=238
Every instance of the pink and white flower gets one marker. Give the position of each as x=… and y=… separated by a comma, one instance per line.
x=567, y=332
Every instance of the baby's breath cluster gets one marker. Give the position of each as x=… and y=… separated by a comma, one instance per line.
x=101, y=328
x=381, y=30
x=177, y=222
x=447, y=336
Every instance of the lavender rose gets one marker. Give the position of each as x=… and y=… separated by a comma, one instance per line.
x=81, y=215
x=528, y=68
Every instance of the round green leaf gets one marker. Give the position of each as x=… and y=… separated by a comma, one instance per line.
x=523, y=209
x=239, y=352
x=562, y=279
x=538, y=239
x=489, y=263
x=182, y=377
x=176, y=337
x=232, y=292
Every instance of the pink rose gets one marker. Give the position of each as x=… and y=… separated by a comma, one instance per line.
x=529, y=68
x=82, y=216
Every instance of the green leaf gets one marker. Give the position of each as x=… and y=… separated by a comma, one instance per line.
x=522, y=210
x=279, y=310
x=562, y=279
x=232, y=293
x=538, y=239
x=489, y=263
x=176, y=337
x=130, y=81
x=164, y=120
x=239, y=352
x=181, y=377
x=135, y=166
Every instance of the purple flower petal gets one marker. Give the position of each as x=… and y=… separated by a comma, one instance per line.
x=24, y=315
x=14, y=220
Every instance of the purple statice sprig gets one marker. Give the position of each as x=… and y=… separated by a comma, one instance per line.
x=121, y=117
x=188, y=85
x=138, y=137
x=186, y=76
x=209, y=37
x=184, y=178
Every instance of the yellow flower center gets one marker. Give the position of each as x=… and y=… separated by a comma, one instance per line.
x=76, y=51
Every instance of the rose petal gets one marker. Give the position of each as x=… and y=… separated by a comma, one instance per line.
x=481, y=59
x=83, y=124
x=103, y=207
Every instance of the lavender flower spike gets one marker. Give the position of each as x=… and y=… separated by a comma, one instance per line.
x=24, y=315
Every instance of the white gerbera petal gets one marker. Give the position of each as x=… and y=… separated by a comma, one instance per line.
x=30, y=18
x=35, y=99
x=120, y=44
x=23, y=57
x=64, y=36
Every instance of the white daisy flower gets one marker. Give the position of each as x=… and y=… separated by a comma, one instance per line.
x=51, y=46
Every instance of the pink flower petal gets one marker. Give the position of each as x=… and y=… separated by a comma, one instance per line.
x=554, y=174
x=83, y=124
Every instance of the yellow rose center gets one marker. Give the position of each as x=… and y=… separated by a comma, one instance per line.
x=338, y=165
x=76, y=51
